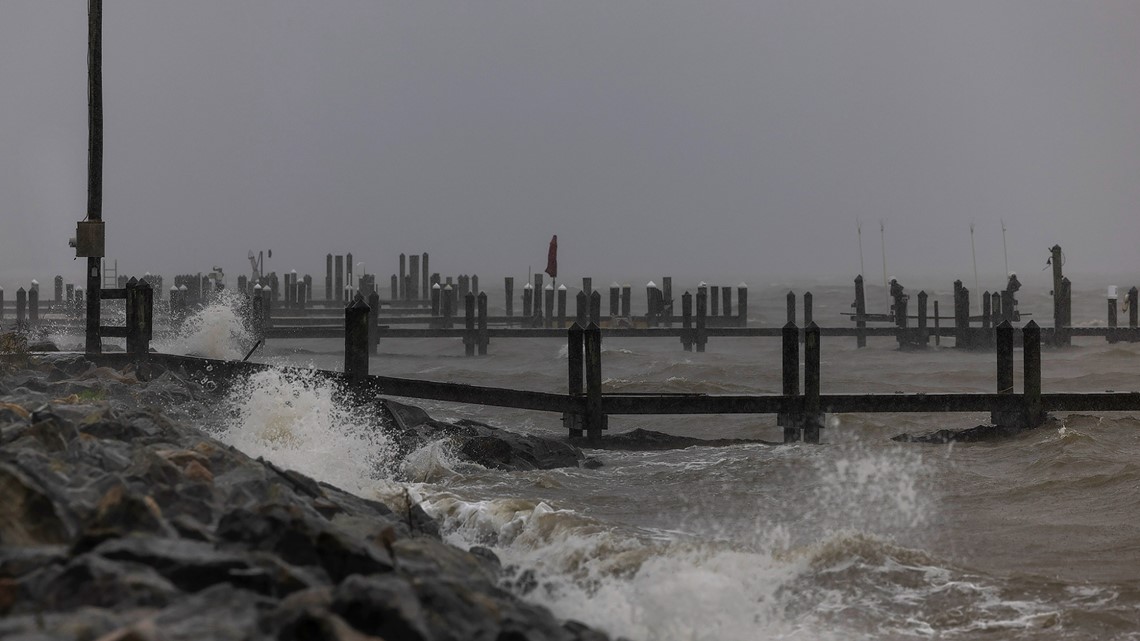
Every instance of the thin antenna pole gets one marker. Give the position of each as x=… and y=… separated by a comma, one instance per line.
x=977, y=289
x=883, y=241
x=859, y=231
x=1004, y=252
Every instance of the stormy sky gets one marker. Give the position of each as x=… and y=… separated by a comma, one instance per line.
x=712, y=139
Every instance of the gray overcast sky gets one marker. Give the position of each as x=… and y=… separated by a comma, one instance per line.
x=699, y=139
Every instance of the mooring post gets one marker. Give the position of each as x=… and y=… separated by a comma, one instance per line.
x=436, y=296
x=482, y=339
x=1003, y=347
x=538, y=295
x=548, y=304
x=687, y=321
x=469, y=324
x=596, y=308
x=133, y=314
x=807, y=308
x=574, y=359
x=1031, y=355
x=2, y=303
x=813, y=417
x=394, y=288
x=21, y=309
x=582, y=312
x=528, y=299
x=356, y=339
x=923, y=335
x=987, y=311
x=373, y=322
x=791, y=307
x=338, y=277
x=1066, y=311
x=1111, y=337
x=588, y=285
x=595, y=419
x=1056, y=259
x=998, y=311
x=58, y=289
x=626, y=300
x=508, y=296
x=742, y=305
x=329, y=276
x=615, y=300
x=1133, y=300
x=184, y=306
x=34, y=306
x=424, y=278
x=937, y=326
x=650, y=304
x=140, y=305
x=902, y=334
x=666, y=308
x=702, y=336
x=791, y=418
x=860, y=306
x=714, y=300
x=726, y=299
x=403, y=277
x=561, y=306
x=448, y=305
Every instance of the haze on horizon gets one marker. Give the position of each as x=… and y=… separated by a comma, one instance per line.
x=696, y=139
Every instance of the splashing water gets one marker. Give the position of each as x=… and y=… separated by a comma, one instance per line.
x=216, y=331
x=301, y=423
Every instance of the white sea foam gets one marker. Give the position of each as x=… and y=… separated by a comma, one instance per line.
x=215, y=331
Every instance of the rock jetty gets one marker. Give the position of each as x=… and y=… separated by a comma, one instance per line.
x=121, y=521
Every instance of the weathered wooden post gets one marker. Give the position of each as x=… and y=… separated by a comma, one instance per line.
x=626, y=301
x=435, y=278
x=961, y=315
x=726, y=295
x=307, y=299
x=998, y=311
x=59, y=289
x=548, y=303
x=596, y=308
x=615, y=300
x=338, y=277
x=469, y=324
x=1056, y=259
x=813, y=417
x=1133, y=296
x=595, y=419
x=1, y=303
x=1003, y=347
x=923, y=334
x=702, y=336
x=937, y=326
x=394, y=288
x=574, y=359
x=791, y=307
x=665, y=309
x=144, y=317
x=403, y=277
x=356, y=339
x=134, y=313
x=791, y=418
x=587, y=285
x=508, y=293
x=528, y=296
x=714, y=300
x=561, y=307
x=687, y=322
x=807, y=308
x=436, y=295
x=373, y=322
x=413, y=277
x=172, y=308
x=1066, y=310
x=742, y=305
x=34, y=306
x=651, y=304
x=328, y=277
x=1111, y=336
x=582, y=303
x=538, y=295
x=448, y=303
x=481, y=337
x=463, y=283
x=1031, y=355
x=184, y=306
x=21, y=309
x=425, y=280
x=987, y=311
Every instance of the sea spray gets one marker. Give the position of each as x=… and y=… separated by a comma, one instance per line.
x=302, y=423
x=218, y=330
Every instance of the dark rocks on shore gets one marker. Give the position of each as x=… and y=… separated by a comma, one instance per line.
x=119, y=523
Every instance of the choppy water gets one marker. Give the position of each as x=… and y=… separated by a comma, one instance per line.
x=858, y=538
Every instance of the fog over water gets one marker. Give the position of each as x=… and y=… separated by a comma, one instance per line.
x=719, y=138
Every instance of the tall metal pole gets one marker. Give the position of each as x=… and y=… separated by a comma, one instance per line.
x=94, y=163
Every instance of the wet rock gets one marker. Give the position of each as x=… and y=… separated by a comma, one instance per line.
x=383, y=606
x=29, y=514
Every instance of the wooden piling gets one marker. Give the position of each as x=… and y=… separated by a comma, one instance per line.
x=373, y=323
x=742, y=305
x=1133, y=296
x=338, y=277
x=726, y=296
x=34, y=306
x=665, y=310
x=548, y=303
x=701, y=336
x=581, y=308
x=448, y=303
x=403, y=277
x=937, y=326
x=328, y=277
x=561, y=323
x=425, y=280
x=528, y=299
x=538, y=289
x=508, y=294
x=651, y=299
x=615, y=300
x=469, y=324
x=436, y=302
x=790, y=420
x=596, y=308
x=133, y=314
x=356, y=339
x=595, y=420
x=626, y=300
x=575, y=362
x=413, y=277
x=987, y=310
x=1003, y=348
x=998, y=313
x=687, y=322
x=394, y=288
x=714, y=301
x=587, y=285
x=1056, y=259
x=1066, y=311
x=481, y=337
x=807, y=308
x=1111, y=299
x=813, y=417
x=21, y=309
x=923, y=334
x=59, y=289
x=791, y=307
x=1031, y=355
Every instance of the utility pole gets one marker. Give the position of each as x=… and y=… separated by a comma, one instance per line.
x=94, y=168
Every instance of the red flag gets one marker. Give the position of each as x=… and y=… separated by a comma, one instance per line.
x=552, y=257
